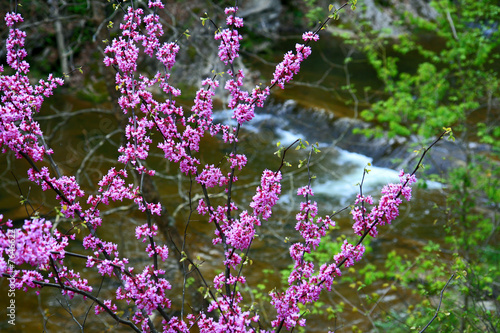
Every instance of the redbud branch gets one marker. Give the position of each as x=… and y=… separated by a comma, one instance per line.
x=66, y=200
x=51, y=160
x=183, y=246
x=305, y=44
x=34, y=166
x=53, y=264
x=223, y=41
x=81, y=256
x=231, y=177
x=203, y=187
x=228, y=213
x=328, y=19
x=363, y=210
x=307, y=211
x=341, y=263
x=152, y=242
x=398, y=195
x=58, y=278
x=25, y=200
x=116, y=268
x=283, y=157
x=240, y=271
x=425, y=152
x=404, y=184
x=85, y=294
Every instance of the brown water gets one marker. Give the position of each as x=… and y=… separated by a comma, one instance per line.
x=76, y=136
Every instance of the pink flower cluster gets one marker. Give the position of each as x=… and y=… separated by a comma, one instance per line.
x=203, y=104
x=387, y=209
x=67, y=190
x=267, y=194
x=147, y=290
x=290, y=65
x=211, y=176
x=238, y=160
x=307, y=36
x=304, y=285
x=33, y=244
x=19, y=132
x=312, y=229
x=109, y=304
x=239, y=101
x=144, y=231
x=241, y=232
x=229, y=47
x=15, y=44
x=219, y=216
x=138, y=146
x=349, y=254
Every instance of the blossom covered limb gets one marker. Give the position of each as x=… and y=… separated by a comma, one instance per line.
x=300, y=291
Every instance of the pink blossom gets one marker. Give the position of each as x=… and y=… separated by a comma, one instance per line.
x=219, y=281
x=307, y=36
x=386, y=210
x=305, y=191
x=230, y=45
x=232, y=316
x=34, y=244
x=232, y=259
x=259, y=95
x=148, y=293
x=175, y=325
x=98, y=309
x=19, y=132
x=267, y=194
x=203, y=103
x=202, y=207
x=144, y=231
x=240, y=232
x=161, y=251
x=13, y=18
x=230, y=10
x=211, y=176
x=234, y=21
x=167, y=53
x=349, y=254
x=244, y=112
x=239, y=161
x=290, y=65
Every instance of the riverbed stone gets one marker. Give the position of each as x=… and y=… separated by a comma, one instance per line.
x=381, y=15
x=261, y=16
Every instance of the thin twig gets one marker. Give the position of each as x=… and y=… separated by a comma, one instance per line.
x=440, y=301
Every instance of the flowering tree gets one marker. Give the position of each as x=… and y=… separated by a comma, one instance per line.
x=35, y=255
